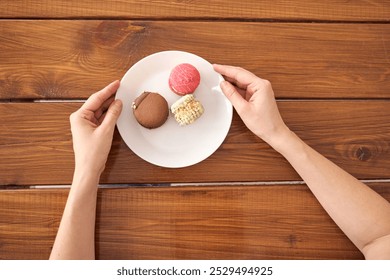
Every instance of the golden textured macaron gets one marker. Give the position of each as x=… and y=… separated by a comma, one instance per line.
x=187, y=110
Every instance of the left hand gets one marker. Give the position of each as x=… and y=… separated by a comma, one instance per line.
x=93, y=127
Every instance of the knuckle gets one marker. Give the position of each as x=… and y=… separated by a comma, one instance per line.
x=260, y=84
x=100, y=98
x=115, y=111
x=230, y=91
x=267, y=84
x=72, y=117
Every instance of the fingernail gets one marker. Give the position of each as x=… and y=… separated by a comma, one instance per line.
x=224, y=83
x=118, y=102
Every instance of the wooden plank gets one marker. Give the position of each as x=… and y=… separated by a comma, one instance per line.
x=220, y=222
x=247, y=9
x=35, y=146
x=72, y=59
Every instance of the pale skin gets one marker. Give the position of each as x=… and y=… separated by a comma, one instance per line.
x=92, y=131
x=361, y=213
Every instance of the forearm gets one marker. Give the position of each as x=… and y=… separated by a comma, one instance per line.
x=361, y=213
x=75, y=237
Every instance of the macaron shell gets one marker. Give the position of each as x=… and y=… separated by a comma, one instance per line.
x=150, y=110
x=184, y=79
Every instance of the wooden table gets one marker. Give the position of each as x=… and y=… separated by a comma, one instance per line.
x=329, y=65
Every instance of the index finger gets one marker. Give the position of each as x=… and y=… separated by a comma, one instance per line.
x=96, y=100
x=238, y=75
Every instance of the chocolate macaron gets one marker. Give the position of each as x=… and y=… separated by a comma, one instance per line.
x=150, y=109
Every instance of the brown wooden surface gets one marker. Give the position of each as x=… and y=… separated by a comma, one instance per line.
x=329, y=65
x=73, y=58
x=373, y=10
x=35, y=146
x=222, y=222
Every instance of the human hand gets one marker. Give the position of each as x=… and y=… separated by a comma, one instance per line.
x=254, y=101
x=92, y=129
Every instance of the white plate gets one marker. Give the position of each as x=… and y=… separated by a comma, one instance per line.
x=172, y=145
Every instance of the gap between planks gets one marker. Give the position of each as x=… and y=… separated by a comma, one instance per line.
x=198, y=19
x=194, y=184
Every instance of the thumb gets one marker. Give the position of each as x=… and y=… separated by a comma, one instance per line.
x=234, y=96
x=112, y=114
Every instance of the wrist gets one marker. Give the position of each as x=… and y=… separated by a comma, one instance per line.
x=86, y=176
x=284, y=141
x=279, y=138
x=89, y=165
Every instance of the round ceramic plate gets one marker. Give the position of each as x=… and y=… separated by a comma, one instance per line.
x=172, y=145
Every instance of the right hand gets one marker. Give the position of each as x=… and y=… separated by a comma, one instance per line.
x=254, y=101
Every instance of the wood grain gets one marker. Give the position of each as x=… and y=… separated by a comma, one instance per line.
x=35, y=146
x=374, y=10
x=316, y=50
x=220, y=222
x=65, y=59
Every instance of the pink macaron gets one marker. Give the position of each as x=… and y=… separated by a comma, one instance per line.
x=184, y=79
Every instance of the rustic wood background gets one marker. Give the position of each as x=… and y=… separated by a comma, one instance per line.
x=329, y=64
